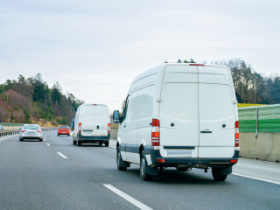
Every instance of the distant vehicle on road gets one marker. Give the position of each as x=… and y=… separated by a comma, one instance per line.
x=92, y=124
x=31, y=131
x=182, y=116
x=63, y=130
x=1, y=128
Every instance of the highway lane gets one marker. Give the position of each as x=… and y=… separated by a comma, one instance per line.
x=34, y=176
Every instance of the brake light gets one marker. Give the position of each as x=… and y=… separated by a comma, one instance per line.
x=80, y=127
x=161, y=160
x=38, y=131
x=196, y=64
x=23, y=131
x=237, y=134
x=109, y=128
x=155, y=133
x=233, y=161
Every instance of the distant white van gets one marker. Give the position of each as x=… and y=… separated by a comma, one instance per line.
x=180, y=115
x=92, y=124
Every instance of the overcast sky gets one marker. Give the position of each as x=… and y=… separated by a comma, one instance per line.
x=96, y=48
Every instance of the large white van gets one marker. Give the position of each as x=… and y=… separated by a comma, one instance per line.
x=92, y=124
x=182, y=116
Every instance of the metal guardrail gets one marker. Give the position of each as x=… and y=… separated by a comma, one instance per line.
x=8, y=133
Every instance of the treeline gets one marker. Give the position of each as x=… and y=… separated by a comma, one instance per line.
x=250, y=86
x=26, y=98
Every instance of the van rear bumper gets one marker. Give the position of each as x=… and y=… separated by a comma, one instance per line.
x=156, y=160
x=93, y=138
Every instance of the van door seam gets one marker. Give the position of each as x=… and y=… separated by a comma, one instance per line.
x=198, y=114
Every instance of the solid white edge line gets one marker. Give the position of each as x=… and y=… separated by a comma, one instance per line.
x=112, y=147
x=62, y=155
x=48, y=144
x=127, y=197
x=260, y=179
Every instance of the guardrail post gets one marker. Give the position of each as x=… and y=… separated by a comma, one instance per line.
x=257, y=122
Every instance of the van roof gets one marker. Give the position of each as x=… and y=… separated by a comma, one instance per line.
x=88, y=104
x=160, y=68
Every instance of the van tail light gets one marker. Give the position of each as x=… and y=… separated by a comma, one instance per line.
x=80, y=127
x=109, y=128
x=155, y=133
x=236, y=134
x=38, y=131
x=23, y=131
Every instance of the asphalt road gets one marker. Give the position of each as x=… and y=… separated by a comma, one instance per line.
x=34, y=176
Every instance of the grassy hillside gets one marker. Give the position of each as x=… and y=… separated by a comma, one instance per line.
x=31, y=100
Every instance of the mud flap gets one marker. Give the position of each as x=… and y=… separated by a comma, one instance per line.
x=226, y=171
x=149, y=170
x=123, y=163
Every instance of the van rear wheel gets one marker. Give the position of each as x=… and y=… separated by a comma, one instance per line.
x=74, y=142
x=143, y=175
x=216, y=172
x=78, y=143
x=106, y=143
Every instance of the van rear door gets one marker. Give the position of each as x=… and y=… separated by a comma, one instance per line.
x=178, y=114
x=94, y=120
x=216, y=112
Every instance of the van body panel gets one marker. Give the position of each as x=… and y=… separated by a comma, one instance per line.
x=179, y=106
x=94, y=119
x=216, y=152
x=216, y=108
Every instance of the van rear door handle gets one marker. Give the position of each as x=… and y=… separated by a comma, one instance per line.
x=205, y=131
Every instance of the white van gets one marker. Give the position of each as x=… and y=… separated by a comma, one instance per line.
x=92, y=124
x=182, y=116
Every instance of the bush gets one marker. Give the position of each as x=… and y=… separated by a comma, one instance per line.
x=16, y=108
x=27, y=116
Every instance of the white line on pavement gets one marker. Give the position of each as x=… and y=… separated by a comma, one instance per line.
x=112, y=147
x=251, y=177
x=48, y=144
x=7, y=137
x=127, y=197
x=62, y=155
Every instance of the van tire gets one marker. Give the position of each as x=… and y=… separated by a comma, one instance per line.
x=106, y=143
x=119, y=161
x=100, y=143
x=216, y=173
x=78, y=143
x=74, y=142
x=143, y=175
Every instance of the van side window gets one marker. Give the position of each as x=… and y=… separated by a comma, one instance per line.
x=125, y=109
x=141, y=103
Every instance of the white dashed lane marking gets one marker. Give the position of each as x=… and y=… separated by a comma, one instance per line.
x=127, y=197
x=63, y=156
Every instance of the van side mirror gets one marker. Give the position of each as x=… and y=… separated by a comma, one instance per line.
x=116, y=116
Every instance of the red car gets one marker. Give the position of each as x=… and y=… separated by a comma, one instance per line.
x=63, y=130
